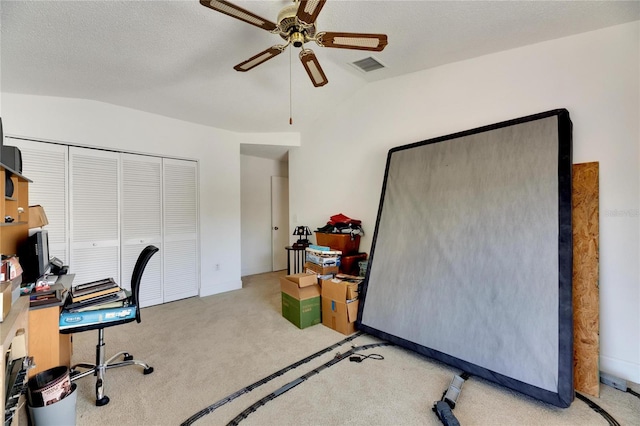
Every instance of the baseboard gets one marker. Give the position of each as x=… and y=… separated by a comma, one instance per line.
x=255, y=270
x=220, y=288
x=623, y=369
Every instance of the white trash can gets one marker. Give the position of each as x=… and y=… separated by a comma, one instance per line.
x=60, y=413
x=51, y=398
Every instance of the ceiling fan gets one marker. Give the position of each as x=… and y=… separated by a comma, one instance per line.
x=296, y=25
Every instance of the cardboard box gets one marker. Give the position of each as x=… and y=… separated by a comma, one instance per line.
x=340, y=290
x=342, y=242
x=320, y=277
x=301, y=299
x=314, y=268
x=340, y=316
x=338, y=311
x=323, y=261
x=37, y=217
x=303, y=279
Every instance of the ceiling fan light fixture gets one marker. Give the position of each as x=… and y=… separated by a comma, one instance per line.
x=297, y=39
x=296, y=25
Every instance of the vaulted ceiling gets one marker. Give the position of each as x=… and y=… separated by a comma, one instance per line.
x=176, y=58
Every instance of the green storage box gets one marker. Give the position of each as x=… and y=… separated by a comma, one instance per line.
x=301, y=313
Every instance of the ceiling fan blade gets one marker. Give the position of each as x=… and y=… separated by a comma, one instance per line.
x=313, y=67
x=358, y=41
x=308, y=10
x=239, y=13
x=260, y=58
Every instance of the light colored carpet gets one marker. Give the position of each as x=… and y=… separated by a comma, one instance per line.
x=203, y=349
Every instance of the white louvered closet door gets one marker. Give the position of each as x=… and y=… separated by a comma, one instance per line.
x=47, y=166
x=94, y=214
x=141, y=214
x=181, y=258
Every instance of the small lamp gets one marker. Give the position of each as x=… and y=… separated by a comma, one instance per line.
x=302, y=232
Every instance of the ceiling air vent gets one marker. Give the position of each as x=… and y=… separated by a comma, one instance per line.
x=368, y=64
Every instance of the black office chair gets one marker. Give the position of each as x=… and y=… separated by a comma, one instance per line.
x=99, y=368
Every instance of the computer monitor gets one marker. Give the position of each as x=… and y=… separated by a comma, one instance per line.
x=34, y=256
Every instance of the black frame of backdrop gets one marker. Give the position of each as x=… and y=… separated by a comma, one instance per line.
x=563, y=394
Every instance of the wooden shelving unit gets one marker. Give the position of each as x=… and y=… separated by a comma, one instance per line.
x=15, y=326
x=16, y=206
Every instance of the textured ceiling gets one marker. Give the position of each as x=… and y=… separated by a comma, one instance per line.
x=176, y=58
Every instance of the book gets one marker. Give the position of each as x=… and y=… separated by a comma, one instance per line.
x=121, y=294
x=80, y=287
x=107, y=305
x=78, y=319
x=93, y=295
x=323, y=252
x=45, y=299
x=53, y=295
x=93, y=287
x=319, y=248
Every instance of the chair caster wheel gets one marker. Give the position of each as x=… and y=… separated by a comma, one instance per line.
x=128, y=357
x=103, y=401
x=148, y=370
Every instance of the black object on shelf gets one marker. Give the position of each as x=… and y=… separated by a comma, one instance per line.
x=302, y=232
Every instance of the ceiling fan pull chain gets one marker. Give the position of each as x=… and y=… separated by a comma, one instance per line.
x=290, y=93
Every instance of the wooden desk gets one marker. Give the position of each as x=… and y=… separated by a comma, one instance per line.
x=47, y=346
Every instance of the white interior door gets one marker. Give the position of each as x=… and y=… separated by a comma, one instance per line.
x=180, y=225
x=279, y=221
x=47, y=165
x=94, y=214
x=141, y=214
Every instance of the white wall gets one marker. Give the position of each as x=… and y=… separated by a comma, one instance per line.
x=594, y=75
x=255, y=196
x=97, y=124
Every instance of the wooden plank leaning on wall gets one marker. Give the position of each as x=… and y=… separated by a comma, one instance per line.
x=586, y=299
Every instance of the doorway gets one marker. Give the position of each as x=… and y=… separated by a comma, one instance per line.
x=260, y=242
x=279, y=222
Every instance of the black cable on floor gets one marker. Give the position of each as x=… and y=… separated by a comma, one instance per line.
x=634, y=393
x=210, y=409
x=360, y=358
x=595, y=407
x=339, y=357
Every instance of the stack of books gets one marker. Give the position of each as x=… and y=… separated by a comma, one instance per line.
x=101, y=294
x=46, y=296
x=96, y=302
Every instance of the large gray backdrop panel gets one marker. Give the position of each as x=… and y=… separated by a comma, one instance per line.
x=466, y=253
